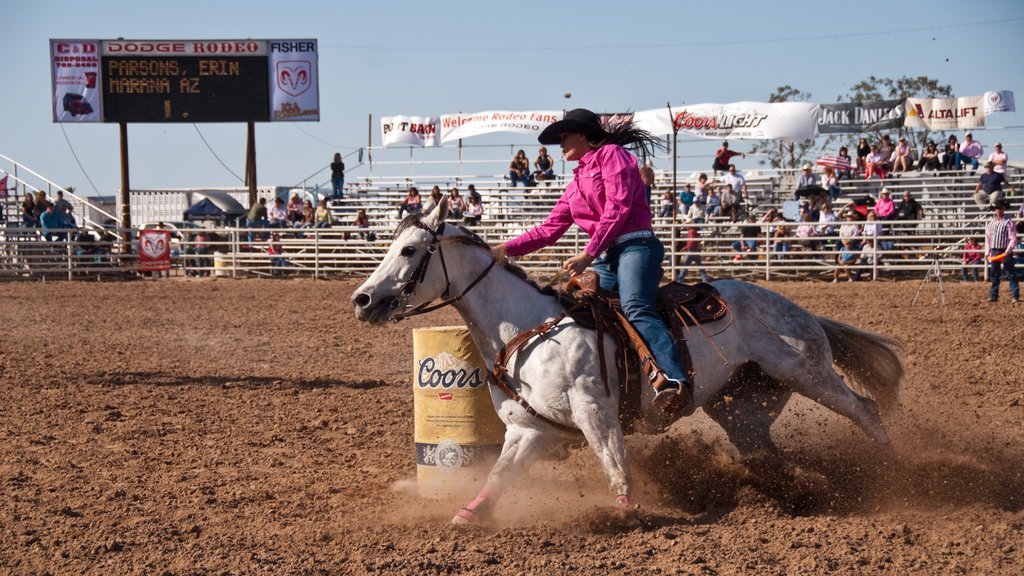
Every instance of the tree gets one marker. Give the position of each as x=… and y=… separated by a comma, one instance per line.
x=873, y=89
x=778, y=153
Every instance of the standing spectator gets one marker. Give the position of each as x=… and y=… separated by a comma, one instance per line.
x=949, y=153
x=337, y=177
x=519, y=169
x=903, y=156
x=544, y=165
x=700, y=194
x=647, y=177
x=64, y=210
x=989, y=190
x=474, y=210
x=29, y=216
x=970, y=151
x=973, y=256
x=847, y=257
x=257, y=217
x=668, y=204
x=722, y=157
x=686, y=198
x=998, y=159
x=875, y=162
x=739, y=183
x=295, y=210
x=885, y=208
x=869, y=255
x=275, y=249
x=201, y=249
x=1000, y=240
x=456, y=205
x=930, y=158
x=693, y=258
x=863, y=149
x=411, y=203
x=277, y=215
x=323, y=217
x=848, y=173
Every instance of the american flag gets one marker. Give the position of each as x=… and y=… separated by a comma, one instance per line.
x=837, y=162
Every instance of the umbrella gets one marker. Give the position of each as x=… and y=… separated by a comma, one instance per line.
x=837, y=162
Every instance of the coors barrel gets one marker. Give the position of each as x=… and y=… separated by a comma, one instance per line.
x=458, y=435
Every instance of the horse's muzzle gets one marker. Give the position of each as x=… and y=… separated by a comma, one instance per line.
x=375, y=313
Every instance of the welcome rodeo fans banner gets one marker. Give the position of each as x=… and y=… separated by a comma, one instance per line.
x=945, y=113
x=75, y=68
x=457, y=126
x=860, y=117
x=416, y=131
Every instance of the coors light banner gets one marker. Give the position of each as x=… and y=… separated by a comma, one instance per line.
x=938, y=114
x=294, y=88
x=860, y=117
x=793, y=121
x=75, y=67
x=457, y=126
x=416, y=131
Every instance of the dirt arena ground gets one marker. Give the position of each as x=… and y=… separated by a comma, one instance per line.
x=254, y=427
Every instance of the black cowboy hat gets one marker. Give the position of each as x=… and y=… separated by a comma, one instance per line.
x=578, y=121
x=1004, y=204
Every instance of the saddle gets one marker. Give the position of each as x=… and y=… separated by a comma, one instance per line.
x=680, y=306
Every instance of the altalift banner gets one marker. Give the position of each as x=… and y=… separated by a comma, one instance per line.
x=416, y=131
x=457, y=126
x=999, y=101
x=938, y=114
x=75, y=68
x=860, y=117
x=793, y=121
x=294, y=85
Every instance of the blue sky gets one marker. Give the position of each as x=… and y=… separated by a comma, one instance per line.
x=403, y=57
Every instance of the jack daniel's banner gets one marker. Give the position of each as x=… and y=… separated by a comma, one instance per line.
x=861, y=117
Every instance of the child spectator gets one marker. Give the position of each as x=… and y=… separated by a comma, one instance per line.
x=474, y=210
x=749, y=232
x=692, y=254
x=686, y=198
x=972, y=257
x=668, y=203
x=456, y=205
x=846, y=258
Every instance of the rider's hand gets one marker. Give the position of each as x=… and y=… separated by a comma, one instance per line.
x=577, y=264
x=499, y=253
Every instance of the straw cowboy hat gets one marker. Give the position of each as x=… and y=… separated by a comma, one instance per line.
x=578, y=121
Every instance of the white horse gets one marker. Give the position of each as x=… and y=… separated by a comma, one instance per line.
x=765, y=349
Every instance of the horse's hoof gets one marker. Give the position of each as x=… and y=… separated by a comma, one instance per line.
x=460, y=521
x=464, y=517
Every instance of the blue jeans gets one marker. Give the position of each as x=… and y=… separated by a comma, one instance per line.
x=256, y=224
x=961, y=159
x=633, y=269
x=995, y=270
x=339, y=188
x=525, y=178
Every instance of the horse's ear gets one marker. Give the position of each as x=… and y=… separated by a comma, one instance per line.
x=437, y=214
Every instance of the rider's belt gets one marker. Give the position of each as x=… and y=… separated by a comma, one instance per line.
x=632, y=236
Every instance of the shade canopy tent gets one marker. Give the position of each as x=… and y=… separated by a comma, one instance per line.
x=214, y=207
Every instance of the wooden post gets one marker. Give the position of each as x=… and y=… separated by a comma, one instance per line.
x=250, y=162
x=369, y=142
x=126, y=208
x=675, y=193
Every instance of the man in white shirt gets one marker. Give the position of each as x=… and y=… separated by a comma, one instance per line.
x=998, y=159
x=739, y=183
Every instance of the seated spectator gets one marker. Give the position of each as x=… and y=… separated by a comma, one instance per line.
x=730, y=203
x=700, y=193
x=909, y=208
x=778, y=231
x=722, y=157
x=885, y=208
x=875, y=163
x=323, y=218
x=668, y=204
x=456, y=205
x=519, y=169
x=867, y=257
x=474, y=210
x=435, y=196
x=63, y=209
x=713, y=206
x=738, y=182
x=873, y=229
x=51, y=221
x=806, y=232
x=686, y=198
x=930, y=158
x=308, y=215
x=411, y=203
x=692, y=249
x=696, y=213
x=863, y=149
x=950, y=152
x=850, y=231
x=998, y=159
x=29, y=215
x=807, y=178
x=749, y=233
x=275, y=249
x=544, y=165
x=472, y=193
x=990, y=187
x=902, y=156
x=888, y=150
x=973, y=259
x=847, y=173
x=830, y=182
x=362, y=221
x=294, y=216
x=827, y=221
x=277, y=215
x=970, y=151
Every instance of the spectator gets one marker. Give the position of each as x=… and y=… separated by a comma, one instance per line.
x=909, y=208
x=875, y=164
x=411, y=204
x=807, y=178
x=868, y=256
x=474, y=210
x=863, y=149
x=275, y=249
x=827, y=221
x=714, y=203
x=519, y=169
x=970, y=151
x=647, y=177
x=885, y=208
x=472, y=193
x=29, y=216
x=323, y=217
x=337, y=177
x=949, y=153
x=64, y=210
x=989, y=190
x=972, y=257
x=730, y=203
x=1000, y=240
x=362, y=221
x=806, y=231
x=778, y=230
x=739, y=183
x=668, y=204
x=257, y=217
x=692, y=250
x=848, y=173
x=847, y=257
x=456, y=205
x=903, y=156
x=294, y=214
x=200, y=249
x=830, y=182
x=998, y=159
x=749, y=233
x=686, y=198
x=544, y=165
x=930, y=158
x=850, y=231
x=874, y=229
x=722, y=157
x=700, y=194
x=51, y=220
x=888, y=151
x=308, y=215
x=277, y=214
x=696, y=212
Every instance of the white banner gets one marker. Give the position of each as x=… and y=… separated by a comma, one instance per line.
x=418, y=131
x=794, y=121
x=456, y=126
x=999, y=101
x=294, y=84
x=75, y=68
x=945, y=113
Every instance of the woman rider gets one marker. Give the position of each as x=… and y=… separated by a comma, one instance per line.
x=607, y=200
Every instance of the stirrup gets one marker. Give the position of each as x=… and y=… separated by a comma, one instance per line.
x=672, y=395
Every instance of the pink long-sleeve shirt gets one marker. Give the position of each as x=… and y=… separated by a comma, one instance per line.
x=606, y=198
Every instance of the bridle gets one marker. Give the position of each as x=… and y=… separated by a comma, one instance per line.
x=420, y=273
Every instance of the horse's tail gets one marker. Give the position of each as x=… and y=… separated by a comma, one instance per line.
x=872, y=361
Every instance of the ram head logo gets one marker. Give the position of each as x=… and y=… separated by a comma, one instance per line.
x=294, y=76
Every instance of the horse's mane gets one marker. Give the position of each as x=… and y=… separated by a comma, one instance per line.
x=515, y=269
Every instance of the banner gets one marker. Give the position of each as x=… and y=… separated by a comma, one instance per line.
x=3, y=189
x=456, y=126
x=860, y=117
x=418, y=131
x=75, y=68
x=999, y=101
x=154, y=250
x=794, y=121
x=945, y=113
x=295, y=85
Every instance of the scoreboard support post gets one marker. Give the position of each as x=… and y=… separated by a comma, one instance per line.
x=126, y=209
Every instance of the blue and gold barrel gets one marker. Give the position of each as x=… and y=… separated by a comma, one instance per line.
x=458, y=435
